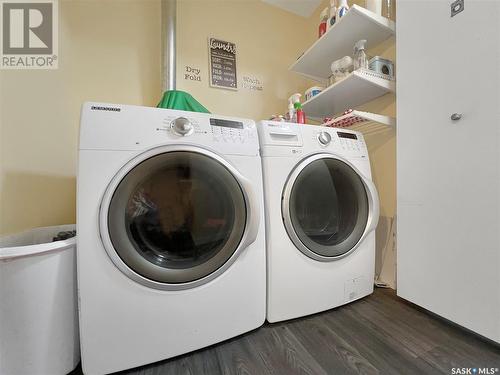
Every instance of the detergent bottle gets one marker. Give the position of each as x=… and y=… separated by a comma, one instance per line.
x=298, y=114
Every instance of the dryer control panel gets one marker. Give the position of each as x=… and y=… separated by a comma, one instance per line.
x=338, y=140
x=350, y=141
x=300, y=139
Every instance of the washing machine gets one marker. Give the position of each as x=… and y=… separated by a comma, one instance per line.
x=321, y=210
x=171, y=246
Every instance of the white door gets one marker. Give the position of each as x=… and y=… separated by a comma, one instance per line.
x=448, y=170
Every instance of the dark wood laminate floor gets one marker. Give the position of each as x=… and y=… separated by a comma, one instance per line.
x=380, y=334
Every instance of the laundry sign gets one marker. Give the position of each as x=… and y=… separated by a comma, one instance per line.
x=222, y=60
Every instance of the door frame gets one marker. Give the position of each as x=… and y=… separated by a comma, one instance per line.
x=373, y=206
x=249, y=234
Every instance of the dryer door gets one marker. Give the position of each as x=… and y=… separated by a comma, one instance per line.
x=175, y=218
x=328, y=207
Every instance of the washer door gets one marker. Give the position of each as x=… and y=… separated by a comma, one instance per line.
x=175, y=219
x=328, y=207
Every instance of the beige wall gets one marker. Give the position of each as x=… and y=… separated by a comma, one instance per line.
x=267, y=39
x=110, y=51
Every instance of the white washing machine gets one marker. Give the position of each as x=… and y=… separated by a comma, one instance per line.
x=171, y=249
x=321, y=211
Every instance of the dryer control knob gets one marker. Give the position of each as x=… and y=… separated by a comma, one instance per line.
x=324, y=138
x=182, y=126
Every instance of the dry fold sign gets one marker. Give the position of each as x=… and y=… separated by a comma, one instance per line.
x=222, y=60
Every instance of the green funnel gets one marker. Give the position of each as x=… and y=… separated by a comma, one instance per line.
x=174, y=99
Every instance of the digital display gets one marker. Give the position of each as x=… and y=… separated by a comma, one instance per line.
x=226, y=123
x=347, y=135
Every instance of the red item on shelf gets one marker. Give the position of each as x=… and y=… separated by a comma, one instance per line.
x=322, y=29
x=301, y=116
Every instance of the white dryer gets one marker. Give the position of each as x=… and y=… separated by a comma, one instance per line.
x=171, y=250
x=321, y=211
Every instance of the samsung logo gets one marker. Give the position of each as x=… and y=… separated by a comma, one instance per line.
x=112, y=109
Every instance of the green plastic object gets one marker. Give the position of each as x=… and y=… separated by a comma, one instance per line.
x=175, y=99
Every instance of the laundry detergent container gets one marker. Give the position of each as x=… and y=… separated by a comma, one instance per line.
x=38, y=303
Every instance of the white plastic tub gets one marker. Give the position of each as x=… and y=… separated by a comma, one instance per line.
x=38, y=303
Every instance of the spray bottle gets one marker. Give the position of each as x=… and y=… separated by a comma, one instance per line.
x=299, y=113
x=360, y=60
x=341, y=10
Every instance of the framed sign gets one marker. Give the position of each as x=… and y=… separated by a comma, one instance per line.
x=222, y=60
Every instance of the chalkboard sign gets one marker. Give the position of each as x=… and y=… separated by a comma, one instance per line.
x=222, y=56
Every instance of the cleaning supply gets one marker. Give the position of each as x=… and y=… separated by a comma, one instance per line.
x=299, y=113
x=360, y=60
x=176, y=99
x=333, y=13
x=341, y=10
x=323, y=21
x=291, y=111
x=313, y=91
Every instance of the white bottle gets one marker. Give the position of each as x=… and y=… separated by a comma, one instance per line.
x=341, y=10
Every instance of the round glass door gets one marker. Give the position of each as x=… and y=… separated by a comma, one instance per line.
x=177, y=217
x=326, y=209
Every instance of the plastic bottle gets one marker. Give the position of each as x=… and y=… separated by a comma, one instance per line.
x=299, y=113
x=341, y=10
x=360, y=60
x=333, y=13
x=291, y=110
x=323, y=21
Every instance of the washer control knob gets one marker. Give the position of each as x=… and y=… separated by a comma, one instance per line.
x=324, y=138
x=182, y=126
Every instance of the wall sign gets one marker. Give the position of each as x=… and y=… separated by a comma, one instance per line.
x=222, y=60
x=252, y=83
x=192, y=74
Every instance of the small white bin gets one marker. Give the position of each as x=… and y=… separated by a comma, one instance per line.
x=38, y=303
